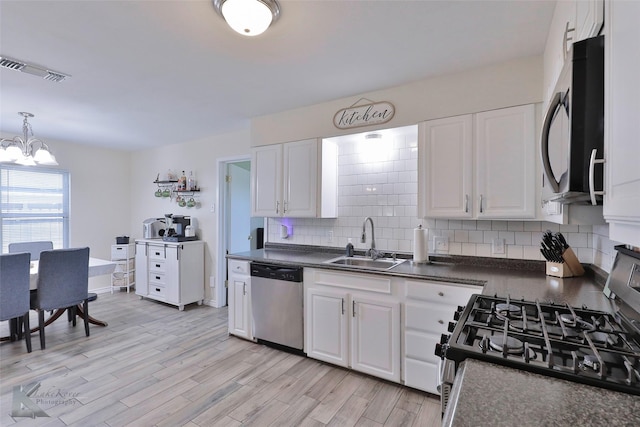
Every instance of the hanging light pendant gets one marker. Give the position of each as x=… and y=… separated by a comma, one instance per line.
x=26, y=151
x=248, y=17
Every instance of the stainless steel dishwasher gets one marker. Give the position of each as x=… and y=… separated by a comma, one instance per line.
x=276, y=304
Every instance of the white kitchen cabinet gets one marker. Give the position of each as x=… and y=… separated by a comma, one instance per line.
x=445, y=167
x=478, y=166
x=240, y=299
x=326, y=333
x=350, y=328
x=123, y=275
x=429, y=306
x=173, y=272
x=589, y=18
x=296, y=179
x=622, y=125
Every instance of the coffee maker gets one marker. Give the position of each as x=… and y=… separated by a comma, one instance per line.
x=176, y=227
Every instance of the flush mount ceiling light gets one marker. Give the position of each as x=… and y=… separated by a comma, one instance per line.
x=25, y=151
x=34, y=70
x=248, y=17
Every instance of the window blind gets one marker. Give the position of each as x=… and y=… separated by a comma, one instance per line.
x=34, y=205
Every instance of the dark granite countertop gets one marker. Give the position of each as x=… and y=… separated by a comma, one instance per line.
x=520, y=398
x=516, y=279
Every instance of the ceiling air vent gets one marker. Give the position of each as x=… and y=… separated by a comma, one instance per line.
x=35, y=70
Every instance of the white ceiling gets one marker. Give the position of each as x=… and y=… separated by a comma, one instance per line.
x=154, y=72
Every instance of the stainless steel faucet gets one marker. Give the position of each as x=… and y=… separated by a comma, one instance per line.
x=372, y=252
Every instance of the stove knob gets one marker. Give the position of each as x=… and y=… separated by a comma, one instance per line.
x=461, y=308
x=444, y=338
x=438, y=351
x=452, y=326
x=456, y=315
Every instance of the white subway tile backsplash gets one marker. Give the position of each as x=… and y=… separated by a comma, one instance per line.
x=387, y=191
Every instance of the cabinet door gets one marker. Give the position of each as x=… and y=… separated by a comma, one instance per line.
x=300, y=178
x=622, y=127
x=375, y=337
x=589, y=18
x=172, y=275
x=266, y=181
x=505, y=163
x=239, y=323
x=326, y=331
x=445, y=168
x=142, y=270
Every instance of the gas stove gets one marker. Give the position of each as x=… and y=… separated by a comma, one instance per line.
x=574, y=343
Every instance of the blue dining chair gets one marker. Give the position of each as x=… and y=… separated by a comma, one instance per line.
x=34, y=248
x=14, y=292
x=63, y=283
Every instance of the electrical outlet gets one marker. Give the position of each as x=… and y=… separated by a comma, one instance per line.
x=497, y=246
x=330, y=236
x=441, y=244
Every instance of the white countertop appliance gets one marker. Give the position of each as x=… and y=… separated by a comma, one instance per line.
x=151, y=228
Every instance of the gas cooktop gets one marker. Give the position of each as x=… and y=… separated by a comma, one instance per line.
x=574, y=343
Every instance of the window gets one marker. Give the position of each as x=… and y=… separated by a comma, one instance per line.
x=34, y=205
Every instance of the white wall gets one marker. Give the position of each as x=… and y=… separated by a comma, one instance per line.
x=197, y=156
x=501, y=85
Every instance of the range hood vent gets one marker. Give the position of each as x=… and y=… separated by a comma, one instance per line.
x=35, y=70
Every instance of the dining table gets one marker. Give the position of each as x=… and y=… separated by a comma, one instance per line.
x=97, y=267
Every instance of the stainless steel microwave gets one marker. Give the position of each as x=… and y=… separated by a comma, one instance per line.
x=573, y=130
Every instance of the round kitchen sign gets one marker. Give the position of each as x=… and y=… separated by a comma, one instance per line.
x=364, y=115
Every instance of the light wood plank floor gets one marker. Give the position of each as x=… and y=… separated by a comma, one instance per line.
x=156, y=366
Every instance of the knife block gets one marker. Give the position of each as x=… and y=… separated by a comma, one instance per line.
x=569, y=268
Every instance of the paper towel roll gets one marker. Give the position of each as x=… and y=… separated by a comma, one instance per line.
x=420, y=244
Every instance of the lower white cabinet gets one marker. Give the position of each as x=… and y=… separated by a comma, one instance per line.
x=429, y=308
x=352, y=328
x=170, y=272
x=239, y=289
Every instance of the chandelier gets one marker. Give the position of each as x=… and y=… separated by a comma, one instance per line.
x=248, y=17
x=24, y=150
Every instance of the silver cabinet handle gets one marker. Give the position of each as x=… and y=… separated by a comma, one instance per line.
x=592, y=163
x=353, y=311
x=277, y=206
x=244, y=288
x=343, y=306
x=481, y=203
x=285, y=206
x=566, y=39
x=466, y=203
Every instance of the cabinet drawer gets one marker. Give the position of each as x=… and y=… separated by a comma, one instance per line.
x=119, y=252
x=157, y=265
x=156, y=278
x=126, y=265
x=157, y=252
x=421, y=346
x=236, y=266
x=157, y=291
x=421, y=375
x=441, y=293
x=429, y=317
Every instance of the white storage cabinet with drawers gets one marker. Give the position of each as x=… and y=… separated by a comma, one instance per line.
x=170, y=272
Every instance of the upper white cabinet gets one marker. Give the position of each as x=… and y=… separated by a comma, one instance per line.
x=478, y=166
x=622, y=124
x=296, y=179
x=589, y=18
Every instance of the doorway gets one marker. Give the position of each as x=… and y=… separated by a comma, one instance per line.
x=238, y=231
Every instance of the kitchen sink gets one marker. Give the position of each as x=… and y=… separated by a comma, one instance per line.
x=365, y=263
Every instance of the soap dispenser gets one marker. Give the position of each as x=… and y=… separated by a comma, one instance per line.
x=349, y=248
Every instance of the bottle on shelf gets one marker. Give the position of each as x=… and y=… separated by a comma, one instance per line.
x=182, y=182
x=191, y=183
